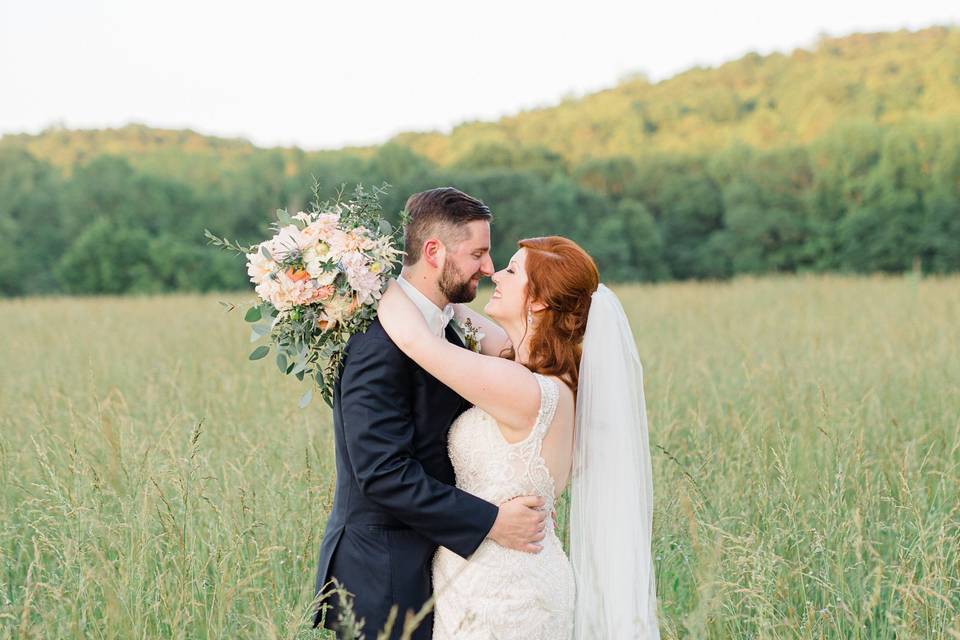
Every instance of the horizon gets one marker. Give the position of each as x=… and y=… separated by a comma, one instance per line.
x=498, y=87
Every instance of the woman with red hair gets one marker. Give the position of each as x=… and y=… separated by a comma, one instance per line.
x=557, y=395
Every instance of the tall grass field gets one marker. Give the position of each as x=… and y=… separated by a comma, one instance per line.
x=805, y=433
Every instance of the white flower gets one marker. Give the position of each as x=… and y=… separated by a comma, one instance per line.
x=367, y=286
x=319, y=251
x=259, y=267
x=338, y=242
x=361, y=277
x=359, y=239
x=314, y=236
x=283, y=242
x=316, y=265
x=267, y=289
x=353, y=262
x=328, y=220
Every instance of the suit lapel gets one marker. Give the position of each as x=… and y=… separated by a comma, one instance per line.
x=453, y=337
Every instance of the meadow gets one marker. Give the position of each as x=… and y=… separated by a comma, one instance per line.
x=805, y=434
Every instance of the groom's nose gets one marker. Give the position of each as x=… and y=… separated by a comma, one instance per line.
x=486, y=266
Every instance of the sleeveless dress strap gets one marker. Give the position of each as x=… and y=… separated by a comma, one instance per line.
x=549, y=398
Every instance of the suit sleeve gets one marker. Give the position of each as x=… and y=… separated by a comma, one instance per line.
x=376, y=405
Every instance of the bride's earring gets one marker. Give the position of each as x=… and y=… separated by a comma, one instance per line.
x=529, y=317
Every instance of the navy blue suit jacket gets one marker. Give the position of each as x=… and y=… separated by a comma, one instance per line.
x=395, y=498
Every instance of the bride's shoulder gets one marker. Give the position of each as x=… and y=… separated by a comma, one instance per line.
x=555, y=391
x=555, y=382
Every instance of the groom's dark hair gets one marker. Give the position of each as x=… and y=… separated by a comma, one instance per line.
x=440, y=212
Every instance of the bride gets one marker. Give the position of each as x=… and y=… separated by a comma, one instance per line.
x=557, y=397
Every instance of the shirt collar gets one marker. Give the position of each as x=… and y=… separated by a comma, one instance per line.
x=437, y=318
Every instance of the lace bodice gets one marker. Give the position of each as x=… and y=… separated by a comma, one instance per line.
x=493, y=469
x=499, y=592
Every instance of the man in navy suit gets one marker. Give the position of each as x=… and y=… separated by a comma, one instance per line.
x=396, y=498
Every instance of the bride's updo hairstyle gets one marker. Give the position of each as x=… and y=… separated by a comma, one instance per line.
x=561, y=276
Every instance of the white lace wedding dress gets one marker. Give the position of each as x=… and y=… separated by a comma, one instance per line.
x=500, y=593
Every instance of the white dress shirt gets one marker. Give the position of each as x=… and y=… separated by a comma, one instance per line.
x=437, y=318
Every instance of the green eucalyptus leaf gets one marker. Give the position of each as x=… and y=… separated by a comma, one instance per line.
x=260, y=352
x=305, y=399
x=282, y=362
x=327, y=394
x=302, y=364
x=283, y=217
x=253, y=314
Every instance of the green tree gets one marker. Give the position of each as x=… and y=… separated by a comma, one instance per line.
x=107, y=257
x=646, y=261
x=690, y=212
x=32, y=226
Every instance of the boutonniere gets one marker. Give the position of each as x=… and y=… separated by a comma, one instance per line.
x=471, y=334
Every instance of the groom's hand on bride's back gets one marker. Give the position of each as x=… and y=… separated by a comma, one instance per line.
x=520, y=524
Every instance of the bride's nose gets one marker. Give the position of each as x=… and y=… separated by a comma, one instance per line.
x=495, y=277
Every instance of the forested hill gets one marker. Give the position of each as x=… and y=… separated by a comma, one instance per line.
x=844, y=157
x=763, y=101
x=782, y=99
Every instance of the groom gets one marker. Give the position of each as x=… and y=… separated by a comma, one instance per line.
x=395, y=498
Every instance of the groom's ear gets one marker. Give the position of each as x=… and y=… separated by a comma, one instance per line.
x=434, y=253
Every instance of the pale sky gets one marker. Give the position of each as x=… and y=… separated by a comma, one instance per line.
x=324, y=74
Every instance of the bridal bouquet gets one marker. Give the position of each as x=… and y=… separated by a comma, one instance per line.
x=318, y=281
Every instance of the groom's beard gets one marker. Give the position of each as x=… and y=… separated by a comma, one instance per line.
x=455, y=286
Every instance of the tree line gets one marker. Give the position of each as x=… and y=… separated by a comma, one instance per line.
x=842, y=157
x=864, y=197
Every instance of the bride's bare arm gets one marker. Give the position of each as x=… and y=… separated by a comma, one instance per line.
x=503, y=388
x=495, y=339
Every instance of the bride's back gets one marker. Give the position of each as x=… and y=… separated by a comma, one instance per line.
x=557, y=451
x=557, y=447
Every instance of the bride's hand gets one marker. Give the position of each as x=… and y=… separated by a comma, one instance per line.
x=399, y=316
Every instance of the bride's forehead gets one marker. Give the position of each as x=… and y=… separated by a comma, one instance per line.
x=519, y=257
